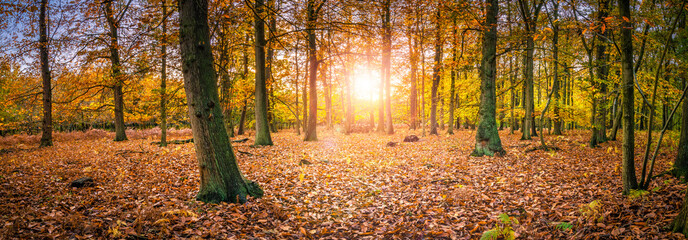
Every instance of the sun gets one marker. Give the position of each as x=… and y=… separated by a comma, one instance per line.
x=366, y=84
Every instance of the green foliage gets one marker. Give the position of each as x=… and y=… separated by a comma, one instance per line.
x=563, y=226
x=591, y=211
x=503, y=230
x=634, y=194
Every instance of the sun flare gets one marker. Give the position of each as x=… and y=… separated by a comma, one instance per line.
x=366, y=84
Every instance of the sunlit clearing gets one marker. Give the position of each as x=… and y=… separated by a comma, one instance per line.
x=366, y=84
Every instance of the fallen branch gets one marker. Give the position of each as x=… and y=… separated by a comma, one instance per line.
x=544, y=148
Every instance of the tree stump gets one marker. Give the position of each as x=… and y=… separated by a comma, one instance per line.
x=391, y=144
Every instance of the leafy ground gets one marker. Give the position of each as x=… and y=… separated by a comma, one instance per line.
x=355, y=187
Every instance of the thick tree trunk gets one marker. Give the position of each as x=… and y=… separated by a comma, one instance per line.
x=116, y=66
x=221, y=180
x=628, y=172
x=681, y=162
x=263, y=137
x=487, y=140
x=47, y=127
x=436, y=74
x=311, y=131
x=680, y=223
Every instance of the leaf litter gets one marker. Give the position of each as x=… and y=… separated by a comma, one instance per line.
x=352, y=187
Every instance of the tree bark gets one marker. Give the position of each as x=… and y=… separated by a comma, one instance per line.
x=555, y=80
x=116, y=66
x=242, y=119
x=296, y=84
x=454, y=66
x=221, y=180
x=263, y=137
x=530, y=21
x=436, y=74
x=413, y=61
x=628, y=172
x=599, y=125
x=47, y=134
x=269, y=79
x=487, y=140
x=163, y=77
x=386, y=63
x=311, y=133
x=681, y=162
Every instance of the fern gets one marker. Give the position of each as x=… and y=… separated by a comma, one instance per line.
x=502, y=230
x=562, y=226
x=492, y=234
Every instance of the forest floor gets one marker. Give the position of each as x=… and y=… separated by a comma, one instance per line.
x=356, y=187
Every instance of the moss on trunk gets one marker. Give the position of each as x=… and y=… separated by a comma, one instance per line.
x=487, y=140
x=221, y=180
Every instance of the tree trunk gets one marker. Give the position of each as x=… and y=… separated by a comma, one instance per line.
x=386, y=63
x=296, y=84
x=436, y=73
x=163, y=78
x=599, y=125
x=349, y=110
x=452, y=87
x=47, y=134
x=326, y=73
x=269, y=59
x=617, y=123
x=555, y=80
x=530, y=18
x=242, y=119
x=221, y=180
x=304, y=96
x=422, y=79
x=487, y=140
x=680, y=223
x=681, y=162
x=381, y=114
x=628, y=173
x=413, y=61
x=263, y=137
x=311, y=134
x=116, y=66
